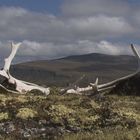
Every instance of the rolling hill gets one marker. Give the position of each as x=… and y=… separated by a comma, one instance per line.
x=62, y=72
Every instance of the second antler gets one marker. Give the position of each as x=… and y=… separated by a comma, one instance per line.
x=95, y=88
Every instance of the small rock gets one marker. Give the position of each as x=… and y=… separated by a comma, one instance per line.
x=43, y=129
x=42, y=122
x=26, y=135
x=73, y=128
x=10, y=128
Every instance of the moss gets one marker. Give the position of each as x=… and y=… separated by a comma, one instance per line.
x=38, y=98
x=22, y=99
x=94, y=104
x=26, y=113
x=54, y=91
x=129, y=113
x=73, y=113
x=4, y=99
x=3, y=116
x=59, y=112
x=72, y=121
x=92, y=118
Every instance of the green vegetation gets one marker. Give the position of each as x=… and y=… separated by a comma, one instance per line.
x=69, y=117
x=3, y=116
x=26, y=113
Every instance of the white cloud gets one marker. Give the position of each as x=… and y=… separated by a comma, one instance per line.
x=99, y=27
x=21, y=24
x=113, y=49
x=52, y=50
x=84, y=26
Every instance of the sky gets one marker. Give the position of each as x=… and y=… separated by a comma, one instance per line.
x=50, y=29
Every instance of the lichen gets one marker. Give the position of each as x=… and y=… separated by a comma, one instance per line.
x=92, y=118
x=94, y=104
x=129, y=113
x=4, y=98
x=38, y=98
x=22, y=99
x=58, y=112
x=3, y=116
x=26, y=113
x=68, y=113
x=88, y=121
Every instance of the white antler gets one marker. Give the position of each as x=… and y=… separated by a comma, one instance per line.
x=20, y=86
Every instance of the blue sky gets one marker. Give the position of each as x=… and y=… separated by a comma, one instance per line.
x=51, y=6
x=57, y=28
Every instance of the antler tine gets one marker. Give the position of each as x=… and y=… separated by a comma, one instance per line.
x=135, y=51
x=95, y=85
x=136, y=54
x=11, y=56
x=96, y=82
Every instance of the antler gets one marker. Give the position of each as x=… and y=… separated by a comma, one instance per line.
x=96, y=88
x=20, y=86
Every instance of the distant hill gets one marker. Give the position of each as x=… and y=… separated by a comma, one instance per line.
x=64, y=71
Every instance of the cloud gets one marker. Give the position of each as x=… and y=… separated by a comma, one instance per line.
x=125, y=11
x=52, y=50
x=82, y=27
x=20, y=24
x=95, y=7
x=99, y=27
